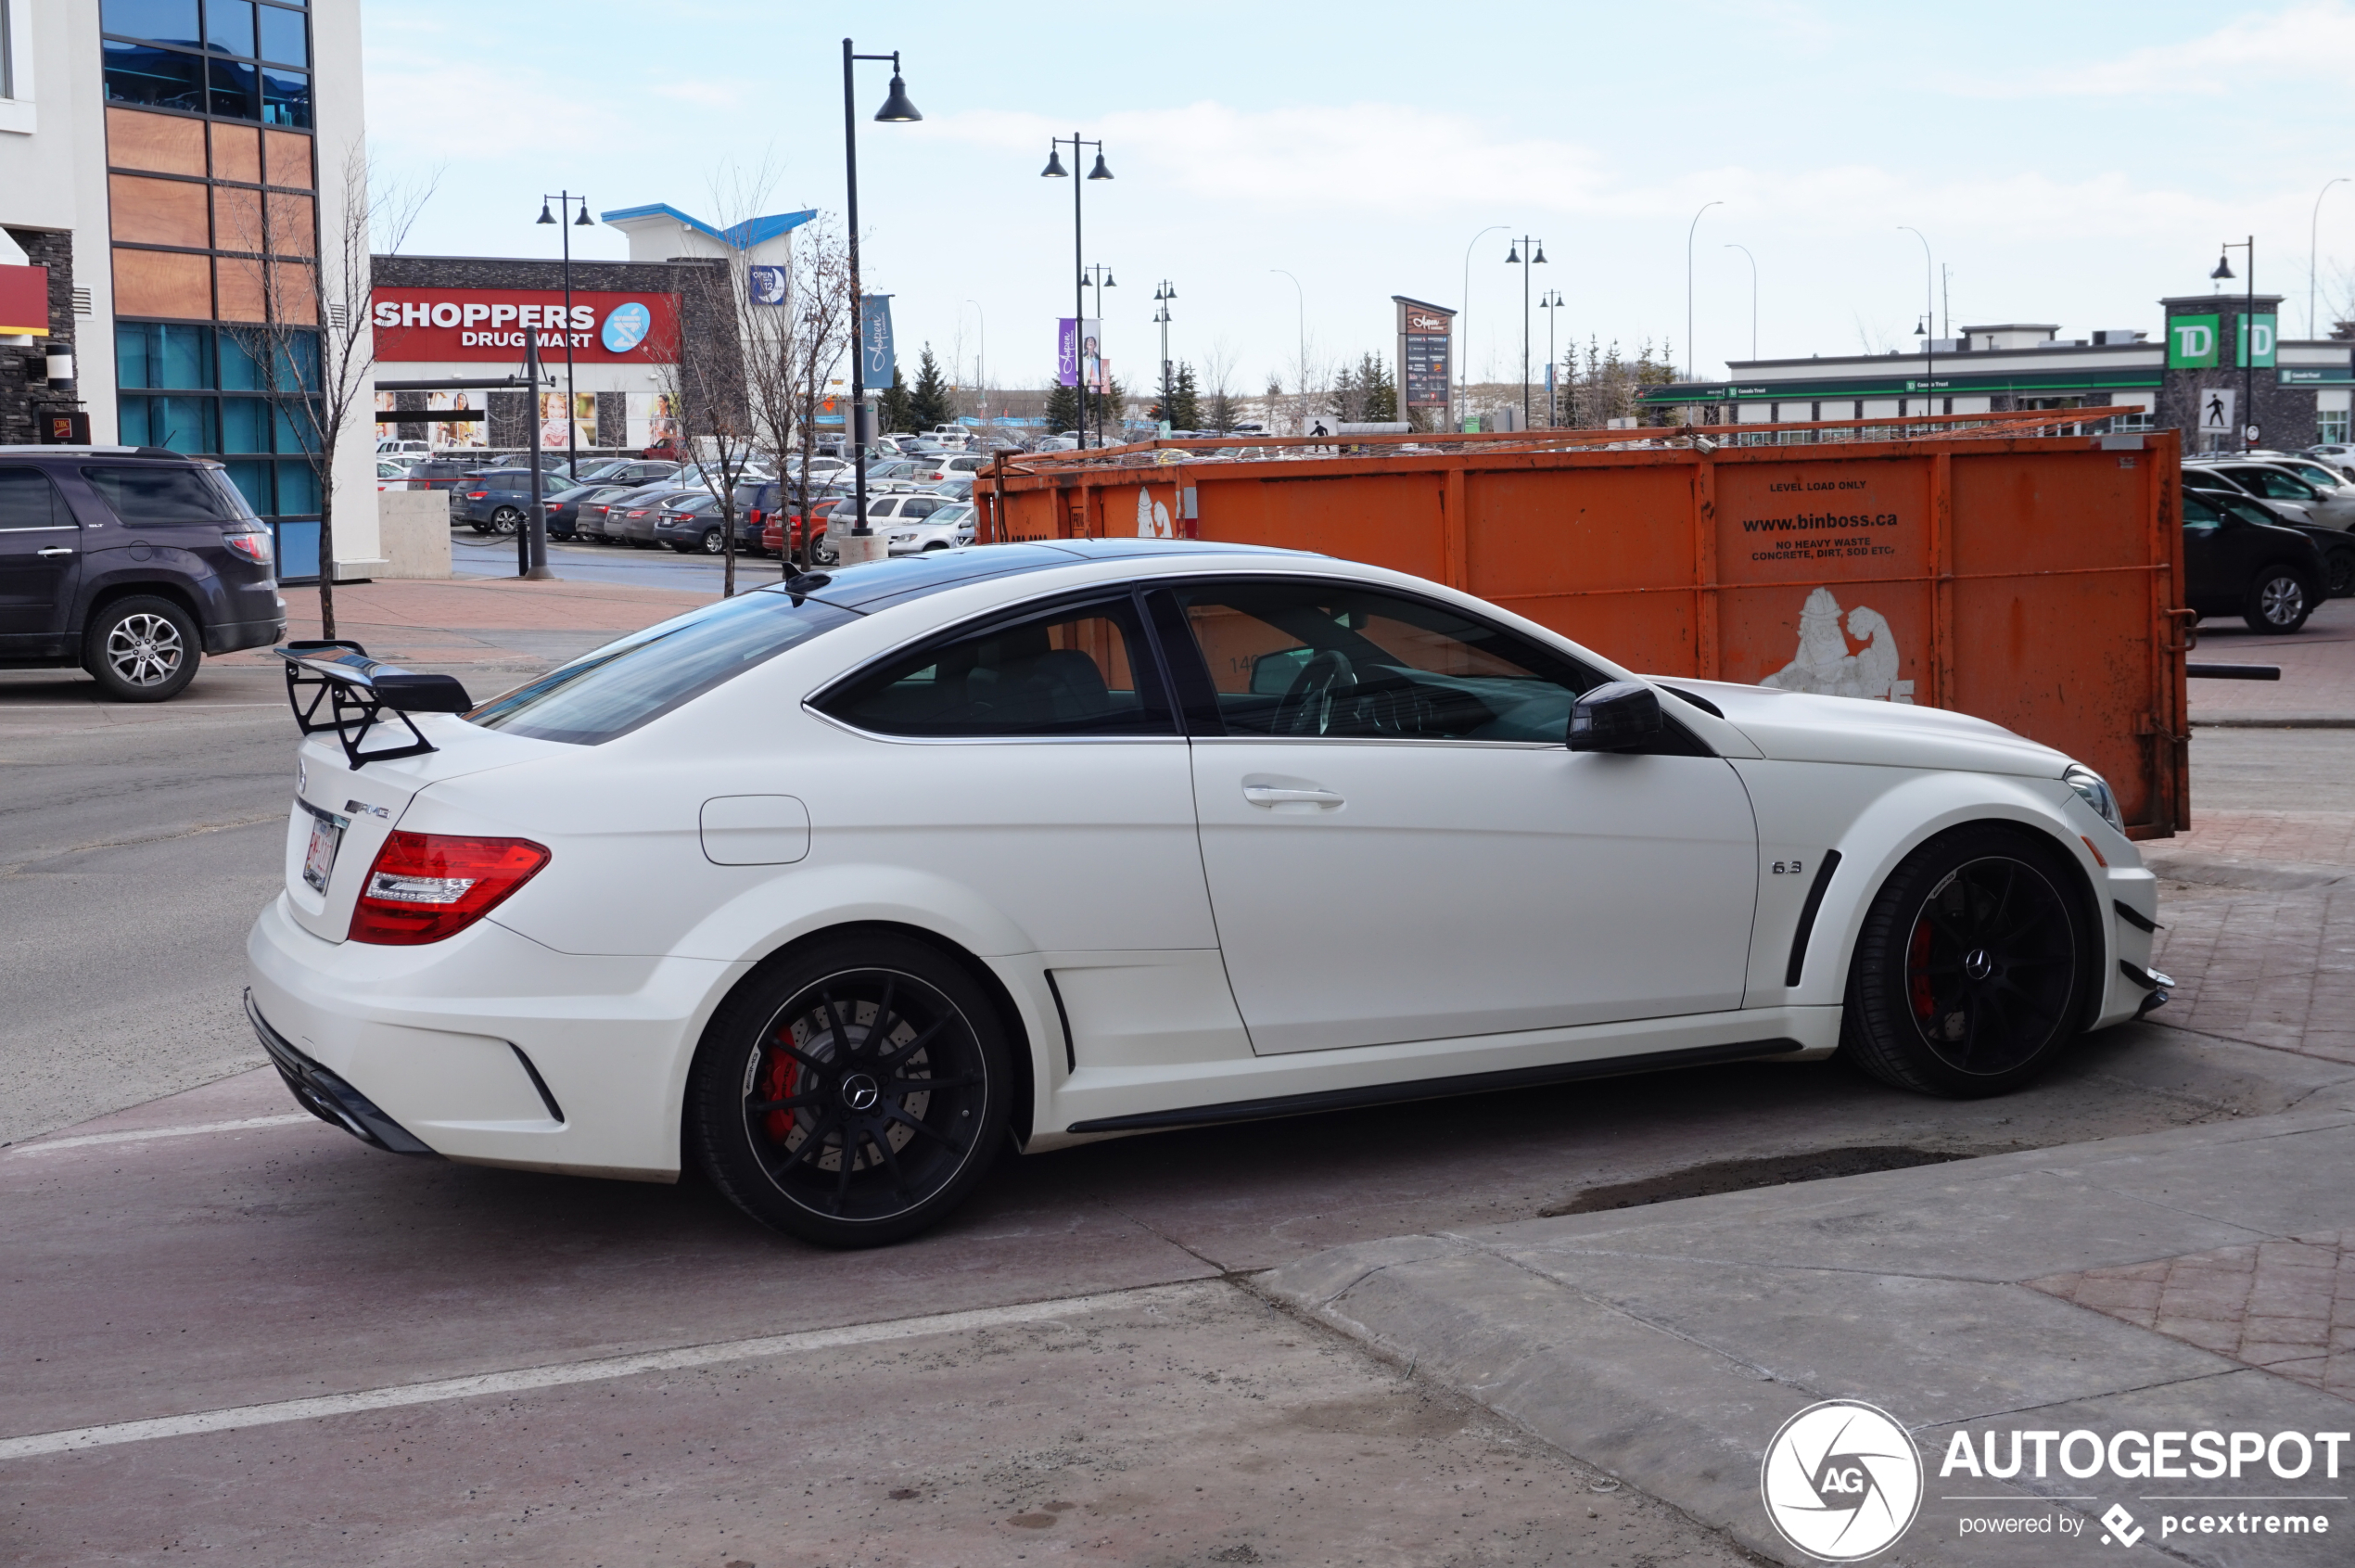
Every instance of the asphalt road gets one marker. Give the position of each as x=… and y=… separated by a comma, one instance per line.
x=473, y=554
x=1076, y=1364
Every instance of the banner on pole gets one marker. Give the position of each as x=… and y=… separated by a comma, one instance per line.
x=876, y=361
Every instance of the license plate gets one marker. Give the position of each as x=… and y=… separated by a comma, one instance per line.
x=326, y=838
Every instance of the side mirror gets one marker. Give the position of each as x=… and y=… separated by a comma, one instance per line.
x=1616, y=716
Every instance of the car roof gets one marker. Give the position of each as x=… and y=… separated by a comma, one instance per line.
x=880, y=583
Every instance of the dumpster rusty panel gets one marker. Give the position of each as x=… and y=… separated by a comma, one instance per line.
x=2030, y=579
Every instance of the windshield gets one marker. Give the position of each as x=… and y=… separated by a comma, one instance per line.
x=624, y=684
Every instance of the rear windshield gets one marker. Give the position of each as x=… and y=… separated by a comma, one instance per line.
x=633, y=682
x=161, y=497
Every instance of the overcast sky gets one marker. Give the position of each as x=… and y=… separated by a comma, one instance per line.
x=2068, y=162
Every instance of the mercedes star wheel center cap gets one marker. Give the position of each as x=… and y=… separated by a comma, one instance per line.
x=859, y=1091
x=1977, y=965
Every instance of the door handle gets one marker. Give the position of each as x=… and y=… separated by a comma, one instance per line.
x=1279, y=795
x=54, y=550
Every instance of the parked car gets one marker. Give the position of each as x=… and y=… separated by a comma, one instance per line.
x=589, y=511
x=973, y=464
x=2338, y=455
x=442, y=473
x=957, y=486
x=132, y=563
x=783, y=532
x=691, y=522
x=994, y=940
x=494, y=500
x=564, y=509
x=631, y=520
x=393, y=473
x=392, y=446
x=627, y=471
x=2336, y=546
x=2269, y=576
x=2279, y=483
x=944, y=529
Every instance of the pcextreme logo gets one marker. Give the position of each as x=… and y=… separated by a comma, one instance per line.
x=1842, y=1481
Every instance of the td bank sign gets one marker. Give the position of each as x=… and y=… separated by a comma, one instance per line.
x=2195, y=342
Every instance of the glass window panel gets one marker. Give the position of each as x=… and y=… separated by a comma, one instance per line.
x=240, y=367
x=298, y=364
x=28, y=501
x=140, y=73
x=1077, y=671
x=285, y=36
x=232, y=93
x=130, y=355
x=286, y=98
x=182, y=424
x=252, y=481
x=297, y=488
x=178, y=356
x=172, y=21
x=295, y=433
x=245, y=425
x=228, y=26
x=130, y=420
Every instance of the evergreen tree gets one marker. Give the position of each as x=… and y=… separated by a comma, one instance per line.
x=1062, y=410
x=1379, y=390
x=931, y=402
x=894, y=409
x=1184, y=401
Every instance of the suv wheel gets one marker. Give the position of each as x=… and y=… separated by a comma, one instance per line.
x=142, y=649
x=505, y=519
x=2279, y=600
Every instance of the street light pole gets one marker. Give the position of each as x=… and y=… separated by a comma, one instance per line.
x=1692, y=359
x=1463, y=344
x=1055, y=171
x=563, y=200
x=1162, y=296
x=1536, y=254
x=1302, y=298
x=2313, y=232
x=1930, y=321
x=981, y=361
x=1099, y=276
x=1754, y=297
x=1549, y=302
x=897, y=109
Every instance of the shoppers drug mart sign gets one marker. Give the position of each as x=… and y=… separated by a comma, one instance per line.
x=417, y=325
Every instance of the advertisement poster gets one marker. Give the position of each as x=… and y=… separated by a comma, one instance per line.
x=1079, y=350
x=647, y=421
x=420, y=324
x=440, y=435
x=554, y=433
x=875, y=359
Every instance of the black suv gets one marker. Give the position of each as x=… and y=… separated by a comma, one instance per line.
x=132, y=562
x=2239, y=561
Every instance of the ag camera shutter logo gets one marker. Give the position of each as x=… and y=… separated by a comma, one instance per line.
x=627, y=326
x=1842, y=1481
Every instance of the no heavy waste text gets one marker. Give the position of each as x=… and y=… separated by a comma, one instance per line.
x=1821, y=547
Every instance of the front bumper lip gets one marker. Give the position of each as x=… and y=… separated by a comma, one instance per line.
x=328, y=1097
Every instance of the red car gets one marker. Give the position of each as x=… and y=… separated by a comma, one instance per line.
x=779, y=530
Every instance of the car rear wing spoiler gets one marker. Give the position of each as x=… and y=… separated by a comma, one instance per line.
x=356, y=692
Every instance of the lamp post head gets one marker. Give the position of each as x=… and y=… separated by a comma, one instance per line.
x=2223, y=266
x=1054, y=170
x=1921, y=327
x=1540, y=258
x=1099, y=171
x=584, y=220
x=545, y=216
x=1512, y=256
x=897, y=109
x=1108, y=280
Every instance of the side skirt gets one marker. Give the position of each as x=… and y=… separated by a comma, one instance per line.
x=1437, y=1089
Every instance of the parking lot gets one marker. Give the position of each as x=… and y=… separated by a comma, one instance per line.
x=233, y=1329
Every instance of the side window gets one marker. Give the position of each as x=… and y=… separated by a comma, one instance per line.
x=918, y=506
x=2199, y=518
x=28, y=501
x=158, y=497
x=1079, y=670
x=1314, y=659
x=2282, y=486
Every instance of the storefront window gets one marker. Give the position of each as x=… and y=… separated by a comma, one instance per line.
x=198, y=419
x=170, y=54
x=2330, y=425
x=153, y=78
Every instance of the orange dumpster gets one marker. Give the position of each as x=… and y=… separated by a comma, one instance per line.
x=1985, y=564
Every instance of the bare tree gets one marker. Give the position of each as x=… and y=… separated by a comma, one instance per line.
x=821, y=334
x=309, y=337
x=1218, y=381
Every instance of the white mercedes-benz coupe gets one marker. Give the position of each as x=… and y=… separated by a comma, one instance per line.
x=841, y=887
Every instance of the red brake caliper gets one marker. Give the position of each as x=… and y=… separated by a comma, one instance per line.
x=783, y=1075
x=1917, y=972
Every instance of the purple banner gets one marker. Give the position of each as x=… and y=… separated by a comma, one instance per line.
x=1066, y=352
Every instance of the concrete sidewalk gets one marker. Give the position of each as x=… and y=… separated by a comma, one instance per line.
x=2202, y=1279
x=455, y=623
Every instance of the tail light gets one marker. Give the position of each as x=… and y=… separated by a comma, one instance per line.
x=425, y=887
x=252, y=546
x=477, y=495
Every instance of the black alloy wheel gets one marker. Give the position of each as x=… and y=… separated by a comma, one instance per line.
x=505, y=519
x=854, y=1094
x=2279, y=600
x=1970, y=972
